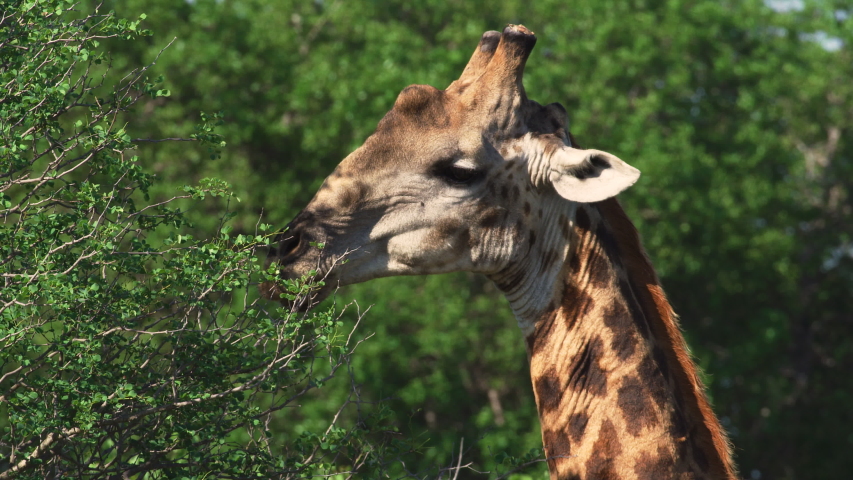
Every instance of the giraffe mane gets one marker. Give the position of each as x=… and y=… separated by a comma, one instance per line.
x=665, y=327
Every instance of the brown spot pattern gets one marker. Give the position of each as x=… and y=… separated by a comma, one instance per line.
x=552, y=441
x=605, y=450
x=575, y=262
x=636, y=311
x=599, y=269
x=577, y=426
x=491, y=219
x=556, y=446
x=649, y=467
x=618, y=319
x=577, y=304
x=636, y=406
x=585, y=373
x=450, y=231
x=651, y=376
x=549, y=391
x=539, y=338
x=447, y=226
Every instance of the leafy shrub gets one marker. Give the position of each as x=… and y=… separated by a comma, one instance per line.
x=128, y=348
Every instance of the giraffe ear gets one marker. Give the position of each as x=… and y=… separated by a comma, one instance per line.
x=588, y=176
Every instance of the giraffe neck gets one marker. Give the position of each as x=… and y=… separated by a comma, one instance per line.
x=617, y=393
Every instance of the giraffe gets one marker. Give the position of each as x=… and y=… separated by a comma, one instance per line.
x=480, y=178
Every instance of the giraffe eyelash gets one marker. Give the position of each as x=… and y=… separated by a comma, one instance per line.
x=457, y=175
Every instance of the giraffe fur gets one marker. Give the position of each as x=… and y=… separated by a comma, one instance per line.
x=480, y=178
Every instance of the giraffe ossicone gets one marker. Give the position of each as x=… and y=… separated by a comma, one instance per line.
x=480, y=178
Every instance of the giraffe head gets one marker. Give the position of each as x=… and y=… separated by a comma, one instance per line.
x=472, y=178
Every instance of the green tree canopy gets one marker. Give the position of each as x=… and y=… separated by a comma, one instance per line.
x=738, y=115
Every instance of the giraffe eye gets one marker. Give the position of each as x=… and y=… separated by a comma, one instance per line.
x=459, y=175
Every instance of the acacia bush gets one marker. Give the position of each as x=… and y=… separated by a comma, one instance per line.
x=129, y=349
x=737, y=113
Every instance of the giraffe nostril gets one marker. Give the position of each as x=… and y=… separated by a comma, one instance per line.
x=289, y=244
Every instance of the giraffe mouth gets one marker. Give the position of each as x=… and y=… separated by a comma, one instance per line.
x=297, y=255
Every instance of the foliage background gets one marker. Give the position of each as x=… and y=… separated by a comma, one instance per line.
x=737, y=113
x=129, y=348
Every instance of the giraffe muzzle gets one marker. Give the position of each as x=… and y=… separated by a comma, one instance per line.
x=295, y=253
